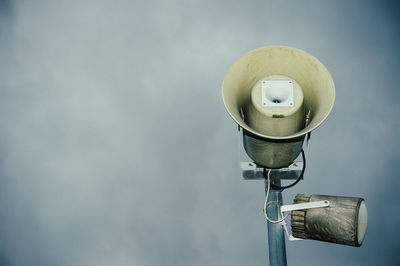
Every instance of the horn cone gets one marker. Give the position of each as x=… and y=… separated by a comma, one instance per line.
x=273, y=137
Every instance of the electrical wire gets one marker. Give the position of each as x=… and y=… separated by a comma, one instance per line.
x=268, y=181
x=266, y=203
x=295, y=182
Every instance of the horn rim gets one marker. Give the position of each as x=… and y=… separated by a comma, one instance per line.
x=298, y=134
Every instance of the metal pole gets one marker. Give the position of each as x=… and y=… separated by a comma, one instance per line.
x=276, y=237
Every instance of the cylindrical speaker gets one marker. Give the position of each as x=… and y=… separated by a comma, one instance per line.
x=344, y=221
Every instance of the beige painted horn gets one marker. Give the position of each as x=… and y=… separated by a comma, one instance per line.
x=277, y=95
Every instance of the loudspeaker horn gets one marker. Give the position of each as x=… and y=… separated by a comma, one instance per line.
x=277, y=95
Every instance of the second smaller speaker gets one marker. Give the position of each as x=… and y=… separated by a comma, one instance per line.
x=344, y=221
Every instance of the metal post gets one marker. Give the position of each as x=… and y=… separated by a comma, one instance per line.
x=276, y=237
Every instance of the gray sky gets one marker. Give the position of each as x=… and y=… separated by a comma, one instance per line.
x=115, y=148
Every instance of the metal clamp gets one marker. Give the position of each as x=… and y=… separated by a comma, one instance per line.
x=251, y=171
x=300, y=206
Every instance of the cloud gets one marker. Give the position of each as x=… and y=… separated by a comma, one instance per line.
x=115, y=147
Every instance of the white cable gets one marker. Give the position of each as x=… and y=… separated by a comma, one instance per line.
x=267, y=204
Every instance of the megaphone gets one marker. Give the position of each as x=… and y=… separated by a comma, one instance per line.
x=277, y=95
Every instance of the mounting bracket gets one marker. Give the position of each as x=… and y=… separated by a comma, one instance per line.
x=300, y=206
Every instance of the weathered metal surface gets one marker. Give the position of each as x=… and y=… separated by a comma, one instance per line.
x=270, y=153
x=337, y=223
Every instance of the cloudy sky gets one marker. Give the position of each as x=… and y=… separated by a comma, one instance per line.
x=115, y=148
